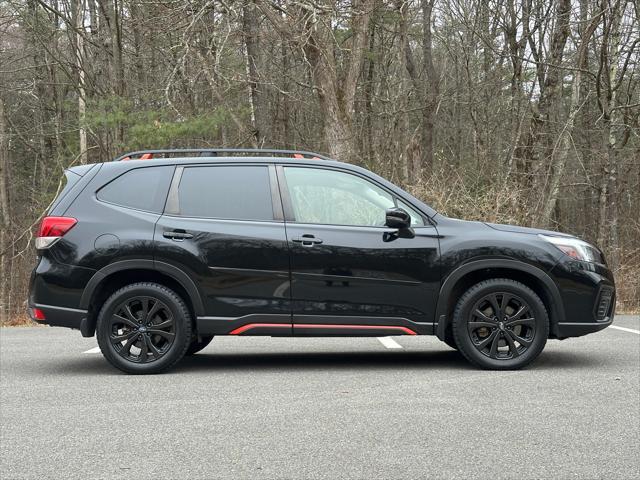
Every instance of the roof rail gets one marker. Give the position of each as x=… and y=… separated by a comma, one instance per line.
x=217, y=152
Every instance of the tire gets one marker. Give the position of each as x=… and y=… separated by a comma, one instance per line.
x=144, y=328
x=498, y=336
x=196, y=345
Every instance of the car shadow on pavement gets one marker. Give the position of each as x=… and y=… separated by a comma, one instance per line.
x=438, y=360
x=446, y=360
x=323, y=360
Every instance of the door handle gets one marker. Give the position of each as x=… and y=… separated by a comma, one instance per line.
x=177, y=234
x=307, y=240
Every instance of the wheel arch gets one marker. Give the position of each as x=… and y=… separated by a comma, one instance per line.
x=476, y=271
x=118, y=274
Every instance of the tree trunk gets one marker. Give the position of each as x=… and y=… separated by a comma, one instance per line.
x=258, y=107
x=5, y=218
x=431, y=88
x=79, y=62
x=560, y=153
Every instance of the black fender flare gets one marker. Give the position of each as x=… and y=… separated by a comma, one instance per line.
x=170, y=270
x=446, y=290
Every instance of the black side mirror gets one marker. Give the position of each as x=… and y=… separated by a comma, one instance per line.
x=397, y=218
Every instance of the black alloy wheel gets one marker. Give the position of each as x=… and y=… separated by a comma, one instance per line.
x=500, y=324
x=144, y=328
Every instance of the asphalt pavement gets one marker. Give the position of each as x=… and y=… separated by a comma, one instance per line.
x=408, y=407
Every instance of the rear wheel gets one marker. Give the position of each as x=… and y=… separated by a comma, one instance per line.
x=198, y=344
x=144, y=328
x=500, y=324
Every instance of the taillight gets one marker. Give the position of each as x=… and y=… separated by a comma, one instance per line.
x=37, y=314
x=53, y=229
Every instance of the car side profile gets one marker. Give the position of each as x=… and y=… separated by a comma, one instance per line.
x=161, y=250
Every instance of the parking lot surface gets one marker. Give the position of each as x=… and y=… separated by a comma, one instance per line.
x=320, y=408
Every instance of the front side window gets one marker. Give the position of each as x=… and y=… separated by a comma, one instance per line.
x=335, y=198
x=239, y=192
x=141, y=188
x=416, y=218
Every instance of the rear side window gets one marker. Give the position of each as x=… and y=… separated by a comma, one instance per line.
x=142, y=188
x=239, y=192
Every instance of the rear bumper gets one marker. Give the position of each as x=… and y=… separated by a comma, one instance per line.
x=62, y=317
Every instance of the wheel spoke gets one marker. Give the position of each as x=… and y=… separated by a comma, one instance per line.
x=493, y=300
x=164, y=325
x=512, y=346
x=527, y=322
x=149, y=315
x=130, y=315
x=144, y=350
x=154, y=350
x=478, y=313
x=522, y=341
x=115, y=319
x=122, y=338
x=486, y=341
x=473, y=326
x=503, y=305
x=517, y=314
x=126, y=349
x=167, y=335
x=145, y=310
x=493, y=353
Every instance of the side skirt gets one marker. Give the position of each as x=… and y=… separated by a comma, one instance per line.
x=311, y=326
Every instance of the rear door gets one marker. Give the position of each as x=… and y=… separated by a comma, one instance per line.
x=352, y=275
x=223, y=226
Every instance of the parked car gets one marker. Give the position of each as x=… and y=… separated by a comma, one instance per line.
x=158, y=252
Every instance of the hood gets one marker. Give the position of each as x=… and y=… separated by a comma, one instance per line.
x=531, y=231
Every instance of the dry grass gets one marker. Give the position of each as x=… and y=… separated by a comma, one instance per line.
x=21, y=321
x=628, y=282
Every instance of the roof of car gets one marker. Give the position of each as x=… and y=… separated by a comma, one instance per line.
x=148, y=158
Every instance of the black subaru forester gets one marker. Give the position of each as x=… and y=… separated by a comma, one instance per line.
x=161, y=250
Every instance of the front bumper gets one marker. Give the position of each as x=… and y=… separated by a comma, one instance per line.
x=588, y=296
x=575, y=329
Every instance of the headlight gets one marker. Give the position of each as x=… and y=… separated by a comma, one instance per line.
x=575, y=248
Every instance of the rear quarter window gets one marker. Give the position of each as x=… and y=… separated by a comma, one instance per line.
x=67, y=183
x=141, y=188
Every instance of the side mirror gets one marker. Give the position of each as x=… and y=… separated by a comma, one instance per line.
x=397, y=218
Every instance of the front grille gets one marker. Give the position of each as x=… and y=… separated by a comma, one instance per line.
x=604, y=304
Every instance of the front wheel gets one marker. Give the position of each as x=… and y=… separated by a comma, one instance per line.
x=144, y=328
x=500, y=324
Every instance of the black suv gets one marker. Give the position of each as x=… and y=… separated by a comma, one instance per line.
x=161, y=250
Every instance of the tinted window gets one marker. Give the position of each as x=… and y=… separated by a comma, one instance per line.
x=70, y=179
x=141, y=188
x=335, y=198
x=233, y=192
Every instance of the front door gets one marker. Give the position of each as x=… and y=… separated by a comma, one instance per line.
x=222, y=227
x=352, y=275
